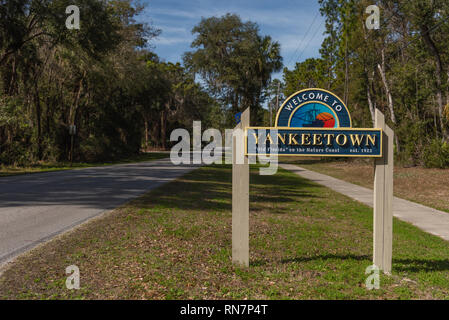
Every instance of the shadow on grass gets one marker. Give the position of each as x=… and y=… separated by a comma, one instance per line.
x=399, y=265
x=280, y=188
x=419, y=265
x=328, y=257
x=211, y=188
x=262, y=262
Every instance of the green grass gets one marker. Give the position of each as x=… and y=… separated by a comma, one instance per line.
x=306, y=242
x=57, y=166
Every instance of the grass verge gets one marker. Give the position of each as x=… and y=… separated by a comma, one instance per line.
x=306, y=242
x=57, y=166
x=426, y=186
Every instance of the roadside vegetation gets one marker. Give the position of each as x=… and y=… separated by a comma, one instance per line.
x=307, y=242
x=106, y=80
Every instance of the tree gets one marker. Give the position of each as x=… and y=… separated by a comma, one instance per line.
x=312, y=73
x=234, y=61
x=51, y=77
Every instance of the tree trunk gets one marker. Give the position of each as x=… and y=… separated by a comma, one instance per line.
x=370, y=86
x=155, y=134
x=38, y=121
x=163, y=129
x=439, y=73
x=447, y=91
x=75, y=104
x=383, y=75
x=346, y=94
x=371, y=102
x=146, y=133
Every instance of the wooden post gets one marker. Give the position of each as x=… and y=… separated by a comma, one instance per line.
x=383, y=199
x=240, y=195
x=388, y=211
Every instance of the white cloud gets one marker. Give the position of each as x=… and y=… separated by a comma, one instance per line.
x=281, y=17
x=171, y=40
x=176, y=30
x=286, y=24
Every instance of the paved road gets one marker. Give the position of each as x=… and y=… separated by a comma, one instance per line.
x=428, y=219
x=36, y=207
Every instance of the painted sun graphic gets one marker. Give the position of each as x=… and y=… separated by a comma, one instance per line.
x=327, y=119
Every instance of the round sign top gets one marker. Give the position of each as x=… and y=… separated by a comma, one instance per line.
x=313, y=108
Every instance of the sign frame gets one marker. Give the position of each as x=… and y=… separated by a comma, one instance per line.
x=334, y=96
x=380, y=130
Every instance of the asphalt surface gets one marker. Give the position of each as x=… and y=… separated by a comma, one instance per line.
x=36, y=207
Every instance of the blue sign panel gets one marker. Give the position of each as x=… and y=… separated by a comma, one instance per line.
x=238, y=117
x=339, y=142
x=313, y=108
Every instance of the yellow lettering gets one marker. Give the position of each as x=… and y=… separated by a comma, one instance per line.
x=356, y=139
x=317, y=140
x=338, y=139
x=329, y=139
x=303, y=139
x=291, y=138
x=281, y=137
x=269, y=139
x=371, y=139
x=256, y=137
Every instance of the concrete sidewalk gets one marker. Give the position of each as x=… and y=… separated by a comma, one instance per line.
x=427, y=219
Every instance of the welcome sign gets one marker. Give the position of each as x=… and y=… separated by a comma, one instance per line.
x=314, y=122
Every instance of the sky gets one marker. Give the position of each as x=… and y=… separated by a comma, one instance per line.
x=296, y=25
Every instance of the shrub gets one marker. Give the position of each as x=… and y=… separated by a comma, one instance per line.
x=436, y=154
